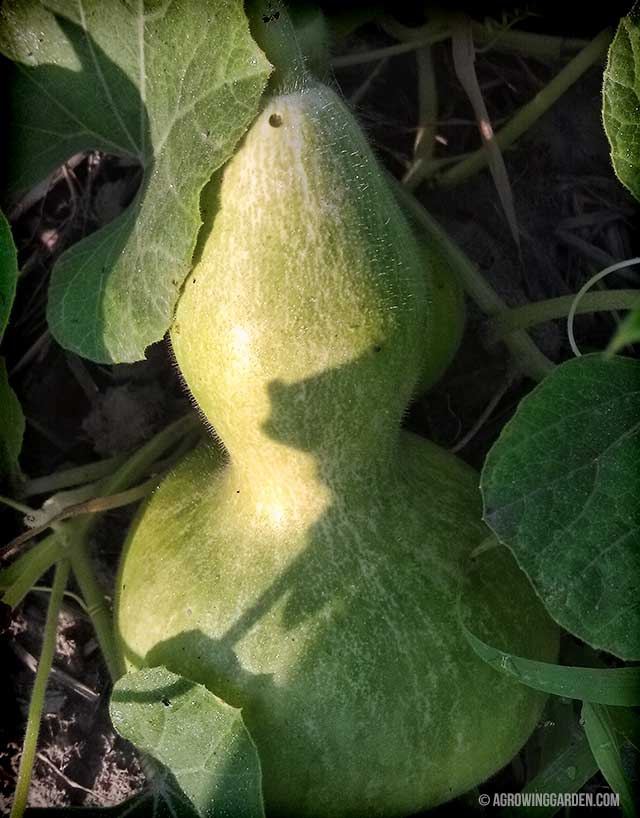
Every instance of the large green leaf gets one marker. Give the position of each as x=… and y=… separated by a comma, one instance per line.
x=618, y=686
x=567, y=773
x=8, y=272
x=172, y=84
x=621, y=101
x=11, y=417
x=607, y=751
x=11, y=425
x=561, y=489
x=201, y=743
x=626, y=722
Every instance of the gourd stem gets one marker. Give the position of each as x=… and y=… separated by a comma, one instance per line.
x=71, y=537
x=528, y=357
x=531, y=112
x=274, y=32
x=312, y=34
x=526, y=43
x=97, y=609
x=18, y=578
x=485, y=415
x=520, y=318
x=16, y=505
x=503, y=38
x=428, y=116
x=92, y=503
x=45, y=589
x=74, y=476
x=391, y=50
x=142, y=460
x=39, y=688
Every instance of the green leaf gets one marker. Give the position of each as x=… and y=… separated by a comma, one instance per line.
x=11, y=425
x=617, y=686
x=605, y=747
x=173, y=85
x=199, y=740
x=561, y=489
x=8, y=272
x=621, y=101
x=22, y=573
x=627, y=333
x=11, y=417
x=627, y=723
x=568, y=772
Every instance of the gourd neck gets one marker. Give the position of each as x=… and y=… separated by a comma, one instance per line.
x=299, y=331
x=303, y=483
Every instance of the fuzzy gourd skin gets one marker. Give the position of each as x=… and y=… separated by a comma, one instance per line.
x=310, y=575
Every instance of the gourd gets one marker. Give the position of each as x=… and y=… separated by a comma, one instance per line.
x=309, y=572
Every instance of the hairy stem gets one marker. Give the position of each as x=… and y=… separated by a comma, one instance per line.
x=16, y=505
x=532, y=111
x=39, y=688
x=44, y=589
x=17, y=579
x=95, y=503
x=492, y=35
x=428, y=116
x=75, y=476
x=539, y=46
x=141, y=461
x=71, y=537
x=526, y=354
x=97, y=608
x=520, y=318
x=430, y=38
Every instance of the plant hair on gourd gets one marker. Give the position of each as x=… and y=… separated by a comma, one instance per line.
x=214, y=436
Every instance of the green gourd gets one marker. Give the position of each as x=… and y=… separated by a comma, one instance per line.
x=310, y=571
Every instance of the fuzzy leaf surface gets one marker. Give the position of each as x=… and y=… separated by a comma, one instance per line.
x=205, y=752
x=8, y=272
x=621, y=101
x=561, y=489
x=173, y=85
x=11, y=418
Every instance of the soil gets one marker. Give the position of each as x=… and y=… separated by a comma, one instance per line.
x=573, y=218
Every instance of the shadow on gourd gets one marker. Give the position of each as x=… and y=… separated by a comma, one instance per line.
x=312, y=578
x=337, y=630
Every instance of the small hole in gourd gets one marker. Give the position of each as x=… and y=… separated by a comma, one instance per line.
x=377, y=348
x=275, y=120
x=166, y=701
